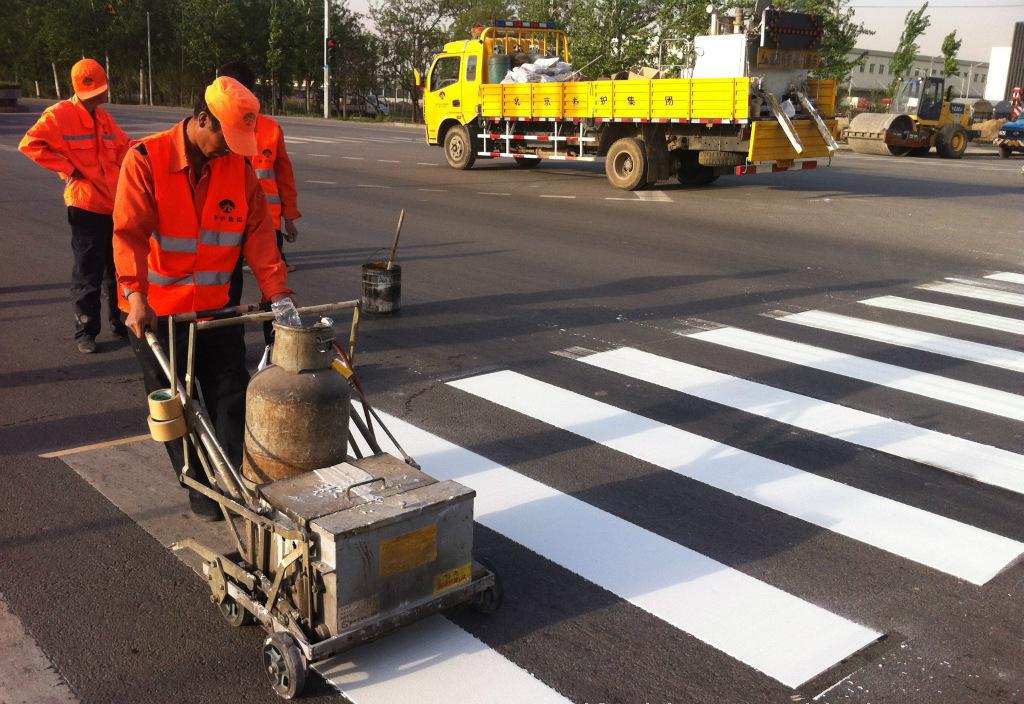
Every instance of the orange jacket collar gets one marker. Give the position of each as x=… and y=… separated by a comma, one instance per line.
x=84, y=116
x=178, y=158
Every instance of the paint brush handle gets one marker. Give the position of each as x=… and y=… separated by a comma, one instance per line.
x=394, y=247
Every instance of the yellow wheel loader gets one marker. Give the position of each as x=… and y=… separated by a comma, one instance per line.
x=920, y=117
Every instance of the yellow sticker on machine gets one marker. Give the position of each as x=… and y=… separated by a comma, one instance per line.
x=452, y=578
x=407, y=551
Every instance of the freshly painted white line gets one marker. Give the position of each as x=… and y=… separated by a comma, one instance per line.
x=630, y=200
x=935, y=541
x=914, y=339
x=544, y=195
x=436, y=662
x=370, y=185
x=318, y=155
x=27, y=674
x=983, y=463
x=433, y=658
x=389, y=161
x=1007, y=276
x=491, y=193
x=955, y=315
x=940, y=388
x=784, y=637
x=978, y=292
x=353, y=158
x=326, y=183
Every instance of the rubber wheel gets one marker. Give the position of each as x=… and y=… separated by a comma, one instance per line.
x=921, y=151
x=626, y=164
x=489, y=600
x=952, y=142
x=234, y=613
x=284, y=665
x=458, y=148
x=528, y=163
x=1005, y=152
x=691, y=172
x=713, y=158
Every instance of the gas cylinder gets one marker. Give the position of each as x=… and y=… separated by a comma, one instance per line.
x=297, y=408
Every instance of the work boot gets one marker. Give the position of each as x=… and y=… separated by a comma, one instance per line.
x=87, y=345
x=204, y=508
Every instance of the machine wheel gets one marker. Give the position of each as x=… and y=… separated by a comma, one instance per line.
x=234, y=613
x=284, y=665
x=458, y=148
x=1005, y=152
x=528, y=163
x=626, y=164
x=952, y=142
x=713, y=158
x=691, y=172
x=489, y=600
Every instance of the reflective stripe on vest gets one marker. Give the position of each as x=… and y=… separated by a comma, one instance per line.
x=274, y=200
x=268, y=134
x=192, y=255
x=79, y=137
x=265, y=173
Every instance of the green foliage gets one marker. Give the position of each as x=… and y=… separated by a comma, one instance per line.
x=915, y=25
x=612, y=35
x=950, y=49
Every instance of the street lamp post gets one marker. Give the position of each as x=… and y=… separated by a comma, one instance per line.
x=327, y=70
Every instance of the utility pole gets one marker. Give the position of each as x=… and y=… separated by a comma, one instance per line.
x=327, y=70
x=149, y=56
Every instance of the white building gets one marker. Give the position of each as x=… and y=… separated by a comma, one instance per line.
x=874, y=74
x=999, y=61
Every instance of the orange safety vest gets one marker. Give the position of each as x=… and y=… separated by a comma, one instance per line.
x=268, y=133
x=191, y=259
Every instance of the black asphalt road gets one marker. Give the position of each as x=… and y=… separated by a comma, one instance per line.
x=501, y=267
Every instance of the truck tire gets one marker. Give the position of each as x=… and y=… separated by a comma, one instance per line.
x=951, y=142
x=691, y=172
x=459, y=150
x=715, y=158
x=1005, y=152
x=626, y=164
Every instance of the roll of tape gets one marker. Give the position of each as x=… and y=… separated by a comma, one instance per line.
x=167, y=430
x=164, y=404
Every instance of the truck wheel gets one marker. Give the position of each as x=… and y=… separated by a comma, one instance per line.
x=692, y=173
x=952, y=142
x=626, y=164
x=1005, y=152
x=458, y=148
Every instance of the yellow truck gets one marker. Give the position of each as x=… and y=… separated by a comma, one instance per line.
x=745, y=105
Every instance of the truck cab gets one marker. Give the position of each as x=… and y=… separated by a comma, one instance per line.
x=451, y=94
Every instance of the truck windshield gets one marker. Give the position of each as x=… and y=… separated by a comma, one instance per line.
x=907, y=97
x=445, y=73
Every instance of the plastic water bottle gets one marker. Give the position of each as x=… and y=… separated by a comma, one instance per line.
x=285, y=313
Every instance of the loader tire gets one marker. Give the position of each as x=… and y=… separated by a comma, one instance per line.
x=715, y=158
x=952, y=142
x=459, y=150
x=1005, y=152
x=626, y=164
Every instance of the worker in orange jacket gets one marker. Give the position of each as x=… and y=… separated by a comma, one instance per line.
x=188, y=206
x=82, y=143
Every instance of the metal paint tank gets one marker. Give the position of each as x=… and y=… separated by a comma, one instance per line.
x=296, y=409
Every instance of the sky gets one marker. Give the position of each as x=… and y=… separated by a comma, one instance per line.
x=982, y=24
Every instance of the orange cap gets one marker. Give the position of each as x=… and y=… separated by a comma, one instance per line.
x=236, y=108
x=88, y=78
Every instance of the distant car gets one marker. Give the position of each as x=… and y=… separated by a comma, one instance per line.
x=1010, y=138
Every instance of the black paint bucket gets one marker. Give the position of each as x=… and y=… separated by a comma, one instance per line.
x=382, y=288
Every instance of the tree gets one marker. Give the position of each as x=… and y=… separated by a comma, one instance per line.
x=950, y=49
x=915, y=24
x=612, y=35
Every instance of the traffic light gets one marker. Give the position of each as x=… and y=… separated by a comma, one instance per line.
x=329, y=45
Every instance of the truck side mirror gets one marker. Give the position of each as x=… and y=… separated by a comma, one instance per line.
x=418, y=78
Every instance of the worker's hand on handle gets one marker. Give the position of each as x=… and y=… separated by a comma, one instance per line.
x=140, y=316
x=278, y=296
x=291, y=233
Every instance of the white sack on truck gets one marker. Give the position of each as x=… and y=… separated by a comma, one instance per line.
x=542, y=70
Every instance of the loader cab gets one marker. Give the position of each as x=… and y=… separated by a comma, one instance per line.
x=920, y=98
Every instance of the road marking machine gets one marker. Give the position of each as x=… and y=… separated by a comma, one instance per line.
x=333, y=547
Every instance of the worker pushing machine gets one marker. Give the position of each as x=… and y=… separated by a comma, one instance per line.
x=188, y=205
x=82, y=143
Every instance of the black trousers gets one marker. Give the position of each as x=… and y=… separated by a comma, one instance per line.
x=92, y=242
x=238, y=279
x=223, y=378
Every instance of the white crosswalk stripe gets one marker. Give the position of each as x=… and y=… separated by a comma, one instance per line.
x=961, y=393
x=980, y=293
x=914, y=339
x=1008, y=276
x=785, y=637
x=983, y=463
x=943, y=544
x=949, y=313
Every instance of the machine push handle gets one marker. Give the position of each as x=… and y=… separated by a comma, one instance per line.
x=241, y=315
x=348, y=492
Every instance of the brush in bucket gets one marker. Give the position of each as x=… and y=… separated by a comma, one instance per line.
x=382, y=281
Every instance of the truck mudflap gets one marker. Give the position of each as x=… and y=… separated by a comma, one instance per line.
x=768, y=143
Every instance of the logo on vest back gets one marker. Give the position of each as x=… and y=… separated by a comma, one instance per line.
x=267, y=153
x=226, y=206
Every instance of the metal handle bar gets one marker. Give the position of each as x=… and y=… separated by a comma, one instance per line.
x=348, y=492
x=240, y=316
